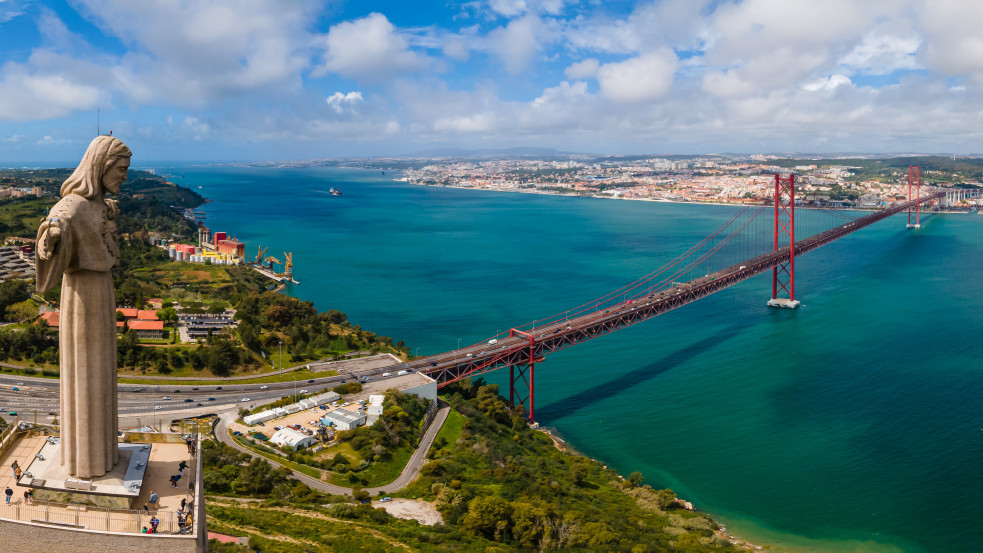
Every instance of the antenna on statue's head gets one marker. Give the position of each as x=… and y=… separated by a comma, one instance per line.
x=98, y=121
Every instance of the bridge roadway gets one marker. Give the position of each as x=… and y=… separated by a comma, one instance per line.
x=521, y=349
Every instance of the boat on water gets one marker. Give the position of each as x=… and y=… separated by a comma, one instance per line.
x=335, y=192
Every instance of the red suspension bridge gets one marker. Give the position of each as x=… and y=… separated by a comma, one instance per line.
x=746, y=245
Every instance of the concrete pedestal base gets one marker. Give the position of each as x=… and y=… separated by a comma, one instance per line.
x=119, y=488
x=783, y=302
x=914, y=226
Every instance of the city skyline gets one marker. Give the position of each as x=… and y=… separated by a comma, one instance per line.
x=286, y=81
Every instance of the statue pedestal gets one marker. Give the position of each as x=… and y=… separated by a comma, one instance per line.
x=118, y=489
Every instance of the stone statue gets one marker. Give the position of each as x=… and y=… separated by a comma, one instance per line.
x=77, y=242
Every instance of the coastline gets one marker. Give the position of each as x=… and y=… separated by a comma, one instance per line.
x=656, y=200
x=721, y=531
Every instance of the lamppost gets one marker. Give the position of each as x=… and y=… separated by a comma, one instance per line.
x=417, y=352
x=458, y=343
x=154, y=416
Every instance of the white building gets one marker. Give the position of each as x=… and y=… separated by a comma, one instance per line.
x=344, y=419
x=326, y=397
x=291, y=438
x=259, y=417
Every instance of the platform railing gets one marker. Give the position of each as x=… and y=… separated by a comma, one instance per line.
x=103, y=519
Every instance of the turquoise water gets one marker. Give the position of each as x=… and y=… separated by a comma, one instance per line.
x=851, y=424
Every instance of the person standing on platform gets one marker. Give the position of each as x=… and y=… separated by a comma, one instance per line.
x=154, y=498
x=10, y=493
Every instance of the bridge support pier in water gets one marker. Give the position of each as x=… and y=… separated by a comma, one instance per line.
x=915, y=176
x=524, y=374
x=783, y=274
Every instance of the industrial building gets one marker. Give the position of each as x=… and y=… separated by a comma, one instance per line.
x=344, y=419
x=293, y=439
x=199, y=325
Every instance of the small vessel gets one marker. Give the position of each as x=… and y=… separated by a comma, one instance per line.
x=335, y=192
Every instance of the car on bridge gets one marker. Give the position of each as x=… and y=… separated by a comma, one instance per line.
x=211, y=399
x=263, y=387
x=12, y=413
x=166, y=397
x=15, y=388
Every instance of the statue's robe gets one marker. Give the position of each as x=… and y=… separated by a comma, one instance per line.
x=84, y=254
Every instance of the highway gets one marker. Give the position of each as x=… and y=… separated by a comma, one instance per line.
x=41, y=395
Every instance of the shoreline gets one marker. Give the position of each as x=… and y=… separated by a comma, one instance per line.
x=561, y=443
x=661, y=200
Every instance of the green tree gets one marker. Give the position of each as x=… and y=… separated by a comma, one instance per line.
x=489, y=517
x=11, y=292
x=636, y=478
x=167, y=314
x=22, y=311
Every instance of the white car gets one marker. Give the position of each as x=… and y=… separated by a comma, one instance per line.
x=158, y=407
x=166, y=397
x=245, y=399
x=387, y=374
x=263, y=387
x=302, y=392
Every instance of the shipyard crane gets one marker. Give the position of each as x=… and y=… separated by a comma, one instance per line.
x=259, y=254
x=272, y=261
x=288, y=267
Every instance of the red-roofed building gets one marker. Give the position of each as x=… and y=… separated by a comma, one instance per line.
x=128, y=312
x=147, y=315
x=53, y=318
x=147, y=329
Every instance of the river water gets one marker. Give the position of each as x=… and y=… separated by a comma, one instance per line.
x=850, y=424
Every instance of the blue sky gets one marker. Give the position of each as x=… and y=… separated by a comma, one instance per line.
x=243, y=80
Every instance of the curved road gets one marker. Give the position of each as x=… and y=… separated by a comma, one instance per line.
x=410, y=471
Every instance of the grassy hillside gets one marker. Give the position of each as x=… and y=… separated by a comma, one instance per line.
x=498, y=485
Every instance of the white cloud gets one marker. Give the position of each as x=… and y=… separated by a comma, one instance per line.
x=953, y=45
x=513, y=8
x=28, y=96
x=828, y=83
x=456, y=48
x=582, y=69
x=341, y=102
x=10, y=9
x=881, y=54
x=368, y=49
x=196, y=128
x=645, y=77
x=189, y=53
x=519, y=42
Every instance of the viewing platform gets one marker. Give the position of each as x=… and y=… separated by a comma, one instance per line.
x=108, y=513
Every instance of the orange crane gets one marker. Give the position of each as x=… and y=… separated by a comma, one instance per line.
x=259, y=254
x=288, y=267
x=272, y=261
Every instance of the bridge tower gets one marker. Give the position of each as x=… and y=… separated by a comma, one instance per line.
x=522, y=375
x=915, y=176
x=783, y=275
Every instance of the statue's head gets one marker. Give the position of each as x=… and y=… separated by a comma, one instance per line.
x=102, y=168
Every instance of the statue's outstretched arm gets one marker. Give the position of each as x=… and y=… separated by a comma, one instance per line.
x=53, y=252
x=49, y=235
